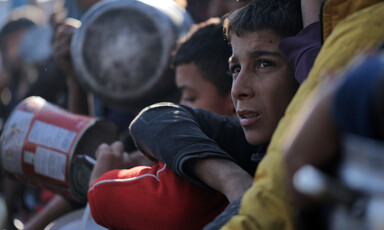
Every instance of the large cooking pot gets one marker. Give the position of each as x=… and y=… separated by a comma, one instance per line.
x=122, y=51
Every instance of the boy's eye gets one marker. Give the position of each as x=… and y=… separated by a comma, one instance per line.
x=234, y=70
x=264, y=63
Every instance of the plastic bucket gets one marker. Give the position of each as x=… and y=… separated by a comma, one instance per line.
x=49, y=147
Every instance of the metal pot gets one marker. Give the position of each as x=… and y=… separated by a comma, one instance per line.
x=122, y=51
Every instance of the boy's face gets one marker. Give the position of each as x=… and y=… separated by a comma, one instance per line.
x=199, y=93
x=263, y=83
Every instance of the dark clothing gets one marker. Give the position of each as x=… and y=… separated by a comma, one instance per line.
x=354, y=102
x=301, y=50
x=179, y=133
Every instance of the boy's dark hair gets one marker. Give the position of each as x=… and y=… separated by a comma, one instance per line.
x=283, y=17
x=206, y=47
x=14, y=26
x=19, y=19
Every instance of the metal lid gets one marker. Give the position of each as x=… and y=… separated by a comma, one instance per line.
x=122, y=50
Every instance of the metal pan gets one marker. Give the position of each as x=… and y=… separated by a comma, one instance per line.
x=122, y=51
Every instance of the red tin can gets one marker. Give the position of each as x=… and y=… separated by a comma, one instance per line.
x=49, y=147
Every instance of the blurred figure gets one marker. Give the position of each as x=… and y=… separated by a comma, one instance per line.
x=21, y=78
x=14, y=87
x=341, y=130
x=15, y=84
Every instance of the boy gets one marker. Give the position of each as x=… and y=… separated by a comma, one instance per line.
x=348, y=29
x=263, y=84
x=202, y=76
x=202, y=70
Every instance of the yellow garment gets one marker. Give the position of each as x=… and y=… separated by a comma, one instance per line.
x=266, y=205
x=335, y=11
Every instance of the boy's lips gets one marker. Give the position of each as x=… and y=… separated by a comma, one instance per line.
x=248, y=117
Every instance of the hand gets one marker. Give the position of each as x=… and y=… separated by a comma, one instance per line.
x=136, y=158
x=310, y=10
x=61, y=44
x=108, y=157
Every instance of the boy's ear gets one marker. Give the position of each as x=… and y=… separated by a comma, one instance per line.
x=229, y=107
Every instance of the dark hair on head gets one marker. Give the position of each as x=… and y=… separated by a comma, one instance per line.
x=15, y=26
x=21, y=18
x=11, y=28
x=206, y=47
x=283, y=17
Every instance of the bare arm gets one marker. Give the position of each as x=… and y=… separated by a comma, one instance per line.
x=56, y=207
x=310, y=11
x=224, y=176
x=199, y=146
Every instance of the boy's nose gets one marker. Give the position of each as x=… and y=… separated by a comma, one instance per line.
x=242, y=87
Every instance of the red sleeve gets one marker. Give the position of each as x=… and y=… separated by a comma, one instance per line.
x=152, y=198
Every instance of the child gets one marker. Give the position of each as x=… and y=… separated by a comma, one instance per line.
x=186, y=139
x=201, y=64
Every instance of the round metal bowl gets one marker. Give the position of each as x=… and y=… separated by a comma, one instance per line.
x=122, y=50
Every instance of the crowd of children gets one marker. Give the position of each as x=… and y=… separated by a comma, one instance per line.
x=266, y=88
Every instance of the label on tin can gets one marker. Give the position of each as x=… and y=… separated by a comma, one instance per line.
x=51, y=136
x=12, y=141
x=50, y=163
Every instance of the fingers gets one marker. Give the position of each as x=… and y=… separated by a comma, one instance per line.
x=103, y=148
x=61, y=43
x=108, y=157
x=116, y=149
